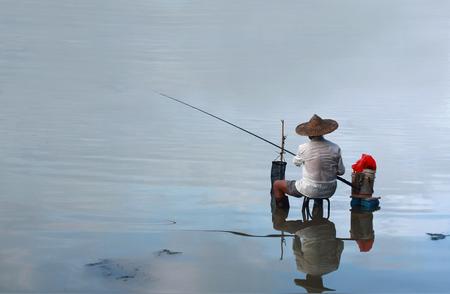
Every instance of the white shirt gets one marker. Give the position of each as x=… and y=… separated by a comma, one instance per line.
x=322, y=163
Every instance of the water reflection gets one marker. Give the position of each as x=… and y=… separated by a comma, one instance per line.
x=317, y=252
x=316, y=247
x=361, y=229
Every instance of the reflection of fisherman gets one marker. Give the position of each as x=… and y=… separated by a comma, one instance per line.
x=362, y=229
x=317, y=250
x=321, y=161
x=317, y=253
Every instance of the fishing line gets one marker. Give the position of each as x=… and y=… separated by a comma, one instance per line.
x=236, y=126
x=242, y=234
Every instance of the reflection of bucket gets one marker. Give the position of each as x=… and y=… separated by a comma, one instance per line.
x=363, y=183
x=361, y=225
x=362, y=230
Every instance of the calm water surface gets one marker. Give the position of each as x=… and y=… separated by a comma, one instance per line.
x=96, y=168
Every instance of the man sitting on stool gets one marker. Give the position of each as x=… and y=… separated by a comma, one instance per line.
x=321, y=160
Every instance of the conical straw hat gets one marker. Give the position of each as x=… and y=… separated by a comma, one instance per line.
x=316, y=126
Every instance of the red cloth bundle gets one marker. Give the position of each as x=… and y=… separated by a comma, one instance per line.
x=365, y=162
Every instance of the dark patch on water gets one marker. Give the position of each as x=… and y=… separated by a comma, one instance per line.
x=115, y=269
x=96, y=263
x=167, y=252
x=436, y=237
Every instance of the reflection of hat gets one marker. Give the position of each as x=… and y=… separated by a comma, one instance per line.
x=317, y=251
x=316, y=126
x=312, y=284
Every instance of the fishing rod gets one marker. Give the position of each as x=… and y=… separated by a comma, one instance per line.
x=238, y=127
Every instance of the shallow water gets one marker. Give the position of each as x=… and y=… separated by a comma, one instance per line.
x=96, y=166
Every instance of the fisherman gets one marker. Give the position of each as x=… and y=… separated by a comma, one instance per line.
x=321, y=160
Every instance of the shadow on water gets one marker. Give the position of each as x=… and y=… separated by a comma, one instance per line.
x=437, y=236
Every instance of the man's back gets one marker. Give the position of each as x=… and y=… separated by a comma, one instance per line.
x=322, y=163
x=321, y=160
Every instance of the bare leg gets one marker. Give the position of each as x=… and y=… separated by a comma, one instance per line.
x=279, y=189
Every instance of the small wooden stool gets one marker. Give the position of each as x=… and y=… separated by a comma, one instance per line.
x=318, y=202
